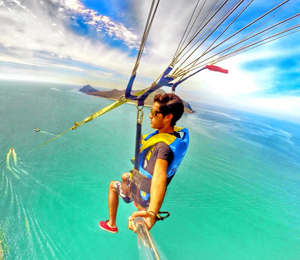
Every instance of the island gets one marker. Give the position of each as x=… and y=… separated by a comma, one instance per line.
x=116, y=94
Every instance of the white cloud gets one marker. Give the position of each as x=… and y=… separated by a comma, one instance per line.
x=37, y=34
x=116, y=30
x=284, y=107
x=74, y=5
x=103, y=23
x=33, y=28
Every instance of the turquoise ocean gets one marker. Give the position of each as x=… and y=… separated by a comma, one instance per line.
x=236, y=195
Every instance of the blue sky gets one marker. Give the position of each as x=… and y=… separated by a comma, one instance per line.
x=95, y=42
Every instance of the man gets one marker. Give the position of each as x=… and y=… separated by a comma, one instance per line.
x=161, y=153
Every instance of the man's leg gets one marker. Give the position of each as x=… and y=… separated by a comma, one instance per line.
x=116, y=189
x=113, y=202
x=125, y=176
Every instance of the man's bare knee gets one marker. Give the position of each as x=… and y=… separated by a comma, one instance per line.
x=112, y=185
x=124, y=176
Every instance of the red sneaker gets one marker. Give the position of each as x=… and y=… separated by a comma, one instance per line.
x=103, y=225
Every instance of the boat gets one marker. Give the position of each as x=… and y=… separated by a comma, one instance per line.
x=37, y=129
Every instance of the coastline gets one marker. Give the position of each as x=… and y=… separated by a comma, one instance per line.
x=115, y=94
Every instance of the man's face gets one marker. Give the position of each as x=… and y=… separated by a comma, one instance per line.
x=156, y=121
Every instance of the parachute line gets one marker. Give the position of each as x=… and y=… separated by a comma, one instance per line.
x=210, y=33
x=207, y=33
x=147, y=29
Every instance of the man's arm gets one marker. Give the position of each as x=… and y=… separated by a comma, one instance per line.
x=157, y=194
x=158, y=185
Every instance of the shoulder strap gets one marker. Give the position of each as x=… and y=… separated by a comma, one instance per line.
x=155, y=137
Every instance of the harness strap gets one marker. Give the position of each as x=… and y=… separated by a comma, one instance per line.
x=141, y=181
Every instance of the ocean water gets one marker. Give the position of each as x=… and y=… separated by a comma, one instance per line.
x=235, y=196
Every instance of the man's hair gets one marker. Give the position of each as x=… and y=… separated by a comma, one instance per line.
x=170, y=104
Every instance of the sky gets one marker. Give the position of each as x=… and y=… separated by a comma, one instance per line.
x=95, y=42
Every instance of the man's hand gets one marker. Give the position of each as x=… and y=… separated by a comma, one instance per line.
x=149, y=217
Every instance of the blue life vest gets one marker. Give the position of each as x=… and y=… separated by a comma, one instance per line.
x=141, y=181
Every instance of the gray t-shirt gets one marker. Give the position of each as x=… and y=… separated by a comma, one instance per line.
x=159, y=151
